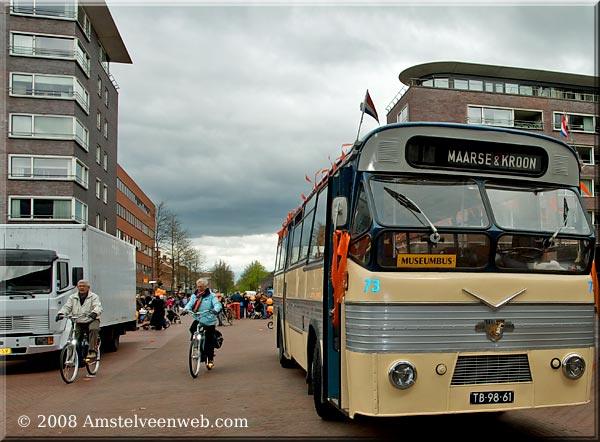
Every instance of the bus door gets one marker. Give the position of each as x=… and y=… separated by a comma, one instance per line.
x=339, y=185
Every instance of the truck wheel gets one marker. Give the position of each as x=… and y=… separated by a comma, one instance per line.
x=110, y=340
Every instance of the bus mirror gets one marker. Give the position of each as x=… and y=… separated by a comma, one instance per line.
x=339, y=212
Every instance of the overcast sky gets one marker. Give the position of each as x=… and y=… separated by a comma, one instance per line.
x=228, y=105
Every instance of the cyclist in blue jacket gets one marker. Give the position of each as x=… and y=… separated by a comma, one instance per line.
x=204, y=306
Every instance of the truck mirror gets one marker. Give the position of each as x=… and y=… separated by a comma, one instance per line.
x=77, y=275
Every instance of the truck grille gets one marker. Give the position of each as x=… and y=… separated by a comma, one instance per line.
x=491, y=369
x=23, y=323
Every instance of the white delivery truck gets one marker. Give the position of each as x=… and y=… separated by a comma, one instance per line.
x=39, y=269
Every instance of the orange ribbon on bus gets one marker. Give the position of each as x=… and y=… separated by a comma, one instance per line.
x=341, y=241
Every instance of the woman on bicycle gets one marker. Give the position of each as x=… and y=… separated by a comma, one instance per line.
x=205, y=307
x=86, y=306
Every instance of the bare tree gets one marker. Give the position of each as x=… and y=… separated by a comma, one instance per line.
x=161, y=233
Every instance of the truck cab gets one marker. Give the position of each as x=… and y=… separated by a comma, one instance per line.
x=34, y=284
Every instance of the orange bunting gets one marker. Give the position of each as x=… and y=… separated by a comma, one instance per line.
x=307, y=179
x=339, y=261
x=585, y=189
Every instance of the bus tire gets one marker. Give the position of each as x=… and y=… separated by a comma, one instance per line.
x=283, y=360
x=324, y=409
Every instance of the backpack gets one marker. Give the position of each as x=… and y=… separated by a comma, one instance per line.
x=218, y=339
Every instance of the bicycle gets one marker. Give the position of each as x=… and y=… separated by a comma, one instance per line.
x=226, y=315
x=73, y=355
x=196, y=355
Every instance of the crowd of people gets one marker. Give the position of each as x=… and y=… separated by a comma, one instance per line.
x=157, y=312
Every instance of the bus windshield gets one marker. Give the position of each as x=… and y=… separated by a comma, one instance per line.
x=444, y=202
x=537, y=209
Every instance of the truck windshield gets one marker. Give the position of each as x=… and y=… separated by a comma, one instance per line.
x=25, y=279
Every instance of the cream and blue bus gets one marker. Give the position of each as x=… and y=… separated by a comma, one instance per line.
x=440, y=268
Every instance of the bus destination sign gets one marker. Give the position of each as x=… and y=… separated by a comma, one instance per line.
x=483, y=156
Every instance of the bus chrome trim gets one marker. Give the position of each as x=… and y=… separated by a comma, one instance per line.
x=427, y=328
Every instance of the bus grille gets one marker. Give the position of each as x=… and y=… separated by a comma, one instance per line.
x=491, y=369
x=454, y=328
x=23, y=323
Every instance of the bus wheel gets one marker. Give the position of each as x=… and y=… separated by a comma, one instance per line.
x=325, y=410
x=285, y=362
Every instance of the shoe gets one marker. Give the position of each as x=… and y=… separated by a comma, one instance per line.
x=210, y=364
x=91, y=357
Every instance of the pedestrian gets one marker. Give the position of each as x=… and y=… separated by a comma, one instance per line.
x=204, y=312
x=158, y=315
x=236, y=300
x=86, y=306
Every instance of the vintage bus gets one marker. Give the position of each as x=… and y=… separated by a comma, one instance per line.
x=440, y=268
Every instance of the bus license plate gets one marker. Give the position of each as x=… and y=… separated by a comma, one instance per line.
x=492, y=397
x=5, y=351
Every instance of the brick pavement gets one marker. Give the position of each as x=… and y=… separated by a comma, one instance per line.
x=149, y=378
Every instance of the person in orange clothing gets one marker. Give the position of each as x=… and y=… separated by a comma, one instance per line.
x=236, y=299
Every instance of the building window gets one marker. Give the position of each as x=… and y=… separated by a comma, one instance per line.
x=105, y=162
x=105, y=224
x=48, y=168
x=106, y=129
x=99, y=86
x=44, y=46
x=49, y=86
x=98, y=153
x=103, y=58
x=105, y=193
x=586, y=154
x=489, y=116
x=587, y=184
x=98, y=188
x=575, y=122
x=43, y=8
x=84, y=22
x=97, y=220
x=403, y=114
x=106, y=96
x=57, y=127
x=47, y=208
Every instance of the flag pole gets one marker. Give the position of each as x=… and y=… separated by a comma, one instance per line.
x=362, y=114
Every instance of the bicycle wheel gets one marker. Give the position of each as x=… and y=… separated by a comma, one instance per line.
x=92, y=368
x=69, y=363
x=195, y=358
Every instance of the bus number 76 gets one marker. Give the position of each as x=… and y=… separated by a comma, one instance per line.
x=372, y=284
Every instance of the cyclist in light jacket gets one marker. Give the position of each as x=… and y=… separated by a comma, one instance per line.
x=206, y=313
x=86, y=305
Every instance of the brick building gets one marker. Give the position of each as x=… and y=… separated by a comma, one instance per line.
x=519, y=98
x=59, y=146
x=136, y=225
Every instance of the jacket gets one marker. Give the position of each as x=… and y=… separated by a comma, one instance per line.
x=74, y=308
x=209, y=302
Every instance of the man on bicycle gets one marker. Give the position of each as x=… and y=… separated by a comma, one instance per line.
x=205, y=307
x=86, y=306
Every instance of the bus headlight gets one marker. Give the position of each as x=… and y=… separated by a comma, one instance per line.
x=402, y=374
x=573, y=366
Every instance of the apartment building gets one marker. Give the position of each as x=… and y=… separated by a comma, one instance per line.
x=136, y=225
x=59, y=143
x=519, y=98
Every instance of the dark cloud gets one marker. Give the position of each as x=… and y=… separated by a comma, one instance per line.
x=227, y=108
